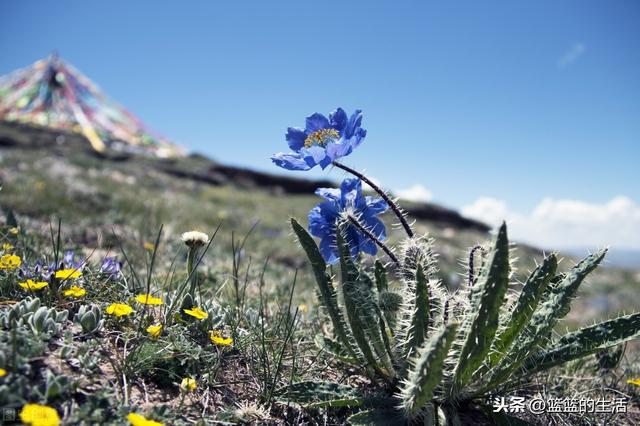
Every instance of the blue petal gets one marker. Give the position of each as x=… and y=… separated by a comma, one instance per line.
x=354, y=123
x=325, y=161
x=331, y=194
x=295, y=137
x=375, y=226
x=329, y=250
x=337, y=150
x=375, y=205
x=358, y=137
x=338, y=119
x=351, y=191
x=290, y=161
x=316, y=121
x=368, y=246
x=322, y=219
x=316, y=152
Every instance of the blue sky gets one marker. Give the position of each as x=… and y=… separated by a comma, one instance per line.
x=514, y=102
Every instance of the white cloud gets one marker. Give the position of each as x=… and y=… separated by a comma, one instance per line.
x=565, y=224
x=416, y=193
x=572, y=55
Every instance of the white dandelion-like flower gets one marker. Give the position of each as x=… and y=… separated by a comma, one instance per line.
x=195, y=238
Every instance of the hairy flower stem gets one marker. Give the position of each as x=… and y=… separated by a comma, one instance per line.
x=374, y=239
x=190, y=258
x=385, y=197
x=472, y=254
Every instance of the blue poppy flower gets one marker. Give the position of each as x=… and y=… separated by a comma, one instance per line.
x=339, y=205
x=322, y=140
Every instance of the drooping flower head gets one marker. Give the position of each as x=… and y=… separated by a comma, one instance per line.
x=322, y=140
x=339, y=205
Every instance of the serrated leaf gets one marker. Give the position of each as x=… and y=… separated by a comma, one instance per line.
x=586, y=341
x=325, y=283
x=530, y=296
x=484, y=323
x=380, y=274
x=420, y=319
x=426, y=372
x=361, y=310
x=545, y=318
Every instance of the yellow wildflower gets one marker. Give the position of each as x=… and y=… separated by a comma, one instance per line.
x=139, y=420
x=197, y=313
x=303, y=308
x=147, y=299
x=10, y=261
x=149, y=246
x=14, y=230
x=32, y=285
x=634, y=381
x=154, y=330
x=39, y=415
x=7, y=247
x=68, y=274
x=3, y=372
x=217, y=338
x=75, y=291
x=119, y=309
x=188, y=384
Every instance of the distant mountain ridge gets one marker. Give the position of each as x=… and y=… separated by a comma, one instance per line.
x=202, y=169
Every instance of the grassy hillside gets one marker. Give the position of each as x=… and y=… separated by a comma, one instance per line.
x=255, y=275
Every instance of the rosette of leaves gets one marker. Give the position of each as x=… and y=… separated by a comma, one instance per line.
x=90, y=318
x=431, y=351
x=41, y=321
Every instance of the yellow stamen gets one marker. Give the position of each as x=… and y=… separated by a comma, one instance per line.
x=321, y=137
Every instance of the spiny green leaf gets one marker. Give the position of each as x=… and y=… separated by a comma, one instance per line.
x=530, y=295
x=417, y=390
x=485, y=322
x=420, y=320
x=545, y=318
x=380, y=274
x=585, y=342
x=325, y=283
x=360, y=314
